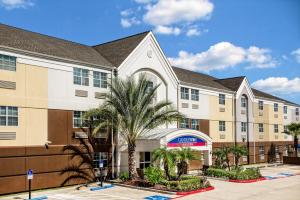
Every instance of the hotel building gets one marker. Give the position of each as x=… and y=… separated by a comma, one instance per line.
x=47, y=83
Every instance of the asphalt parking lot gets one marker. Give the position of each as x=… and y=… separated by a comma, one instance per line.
x=283, y=182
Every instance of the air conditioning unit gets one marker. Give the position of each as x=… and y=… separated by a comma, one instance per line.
x=245, y=158
x=222, y=136
x=276, y=137
x=184, y=105
x=7, y=135
x=261, y=113
x=262, y=157
x=275, y=115
x=277, y=156
x=80, y=135
x=285, y=117
x=221, y=109
x=243, y=112
x=195, y=106
x=261, y=137
x=297, y=118
x=285, y=137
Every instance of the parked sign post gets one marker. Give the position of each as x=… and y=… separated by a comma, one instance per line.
x=29, y=177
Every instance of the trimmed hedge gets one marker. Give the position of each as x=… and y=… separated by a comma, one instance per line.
x=247, y=174
x=186, y=184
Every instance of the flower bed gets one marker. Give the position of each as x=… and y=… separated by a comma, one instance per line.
x=240, y=175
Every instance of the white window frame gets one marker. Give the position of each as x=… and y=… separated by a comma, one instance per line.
x=194, y=95
x=285, y=128
x=145, y=162
x=10, y=114
x=285, y=109
x=100, y=156
x=260, y=105
x=243, y=127
x=184, y=93
x=81, y=76
x=8, y=63
x=243, y=102
x=195, y=124
x=80, y=118
x=222, y=99
x=260, y=127
x=275, y=107
x=99, y=79
x=222, y=126
x=184, y=123
x=276, y=128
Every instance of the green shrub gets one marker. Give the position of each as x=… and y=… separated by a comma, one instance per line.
x=237, y=174
x=154, y=175
x=187, y=184
x=124, y=176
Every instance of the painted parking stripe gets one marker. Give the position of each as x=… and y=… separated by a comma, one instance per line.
x=101, y=188
x=157, y=197
x=40, y=198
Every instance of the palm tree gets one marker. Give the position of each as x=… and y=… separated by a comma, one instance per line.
x=183, y=156
x=238, y=152
x=130, y=110
x=168, y=158
x=219, y=158
x=294, y=130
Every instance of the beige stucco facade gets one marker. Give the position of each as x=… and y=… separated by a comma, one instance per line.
x=31, y=98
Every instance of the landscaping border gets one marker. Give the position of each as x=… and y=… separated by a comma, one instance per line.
x=196, y=191
x=247, y=181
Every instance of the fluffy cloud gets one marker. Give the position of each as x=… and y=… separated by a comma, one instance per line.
x=167, y=30
x=128, y=22
x=172, y=16
x=168, y=12
x=12, y=4
x=279, y=85
x=296, y=53
x=224, y=55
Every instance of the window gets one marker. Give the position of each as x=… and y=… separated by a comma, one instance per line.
x=195, y=95
x=80, y=76
x=184, y=123
x=261, y=150
x=260, y=105
x=275, y=128
x=285, y=129
x=261, y=127
x=222, y=99
x=243, y=126
x=275, y=107
x=184, y=93
x=150, y=86
x=100, y=157
x=100, y=79
x=78, y=119
x=195, y=124
x=244, y=102
x=222, y=126
x=145, y=160
x=285, y=109
x=7, y=62
x=8, y=116
x=297, y=111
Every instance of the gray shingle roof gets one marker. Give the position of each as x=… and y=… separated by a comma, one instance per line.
x=38, y=43
x=118, y=50
x=196, y=78
x=233, y=83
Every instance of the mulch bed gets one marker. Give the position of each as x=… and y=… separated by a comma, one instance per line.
x=247, y=181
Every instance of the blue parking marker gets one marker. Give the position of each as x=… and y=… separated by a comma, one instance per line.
x=101, y=188
x=287, y=174
x=157, y=197
x=39, y=198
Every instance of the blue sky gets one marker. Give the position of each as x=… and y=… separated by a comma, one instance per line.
x=225, y=38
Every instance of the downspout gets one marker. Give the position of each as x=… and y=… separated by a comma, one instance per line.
x=234, y=119
x=248, y=142
x=113, y=150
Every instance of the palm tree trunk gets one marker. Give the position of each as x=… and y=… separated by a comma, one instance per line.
x=131, y=162
x=296, y=145
x=166, y=168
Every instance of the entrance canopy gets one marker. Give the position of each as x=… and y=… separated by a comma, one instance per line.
x=177, y=138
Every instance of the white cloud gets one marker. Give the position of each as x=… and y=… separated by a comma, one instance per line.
x=168, y=12
x=260, y=58
x=193, y=32
x=12, y=4
x=296, y=53
x=128, y=22
x=279, y=85
x=223, y=55
x=127, y=12
x=143, y=1
x=167, y=30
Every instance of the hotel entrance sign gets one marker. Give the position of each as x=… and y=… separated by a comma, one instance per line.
x=186, y=141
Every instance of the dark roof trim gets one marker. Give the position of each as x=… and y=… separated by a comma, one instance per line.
x=206, y=87
x=53, y=58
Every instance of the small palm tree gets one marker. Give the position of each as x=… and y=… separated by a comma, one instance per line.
x=130, y=110
x=168, y=158
x=183, y=156
x=219, y=158
x=294, y=130
x=238, y=152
